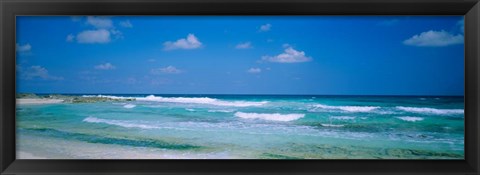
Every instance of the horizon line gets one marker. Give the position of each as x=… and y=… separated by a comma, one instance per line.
x=239, y=94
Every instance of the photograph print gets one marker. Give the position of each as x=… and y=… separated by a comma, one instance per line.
x=240, y=87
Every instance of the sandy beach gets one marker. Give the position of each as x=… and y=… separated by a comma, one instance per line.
x=25, y=101
x=25, y=155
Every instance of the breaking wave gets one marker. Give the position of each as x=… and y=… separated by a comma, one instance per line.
x=125, y=124
x=272, y=117
x=348, y=108
x=221, y=110
x=201, y=100
x=410, y=119
x=108, y=96
x=430, y=110
x=332, y=125
x=343, y=117
x=129, y=106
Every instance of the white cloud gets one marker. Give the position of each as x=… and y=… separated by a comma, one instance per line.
x=265, y=27
x=106, y=66
x=246, y=45
x=70, y=38
x=24, y=48
x=37, y=72
x=94, y=36
x=289, y=55
x=166, y=70
x=191, y=42
x=116, y=33
x=100, y=22
x=254, y=70
x=103, y=30
x=126, y=24
x=434, y=39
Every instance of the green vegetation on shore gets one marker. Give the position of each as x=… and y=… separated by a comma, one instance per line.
x=71, y=98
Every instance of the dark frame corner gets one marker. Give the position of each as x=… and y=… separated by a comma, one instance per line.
x=11, y=8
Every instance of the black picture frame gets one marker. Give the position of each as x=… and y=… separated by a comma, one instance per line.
x=9, y=9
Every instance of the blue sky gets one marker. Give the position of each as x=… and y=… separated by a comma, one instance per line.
x=325, y=55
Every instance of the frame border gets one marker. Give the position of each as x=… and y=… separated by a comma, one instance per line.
x=9, y=9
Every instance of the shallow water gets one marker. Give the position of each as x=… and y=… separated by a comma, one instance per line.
x=245, y=127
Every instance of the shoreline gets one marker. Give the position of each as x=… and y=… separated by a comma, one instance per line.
x=36, y=101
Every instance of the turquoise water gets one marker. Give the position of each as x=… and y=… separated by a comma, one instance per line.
x=245, y=127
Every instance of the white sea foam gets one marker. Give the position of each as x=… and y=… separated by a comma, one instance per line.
x=343, y=117
x=238, y=126
x=108, y=96
x=430, y=110
x=201, y=100
x=125, y=124
x=410, y=119
x=129, y=106
x=384, y=112
x=221, y=110
x=348, y=108
x=189, y=109
x=332, y=125
x=272, y=116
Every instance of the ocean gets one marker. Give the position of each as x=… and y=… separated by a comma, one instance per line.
x=243, y=127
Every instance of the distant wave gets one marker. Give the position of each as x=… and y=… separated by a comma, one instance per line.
x=129, y=106
x=410, y=119
x=189, y=109
x=348, y=108
x=201, y=100
x=343, y=117
x=430, y=110
x=272, y=116
x=107, y=96
x=125, y=124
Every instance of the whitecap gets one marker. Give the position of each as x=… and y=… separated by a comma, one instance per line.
x=108, y=96
x=220, y=110
x=332, y=125
x=125, y=124
x=270, y=116
x=189, y=109
x=129, y=106
x=343, y=117
x=410, y=119
x=201, y=100
x=430, y=110
x=348, y=108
